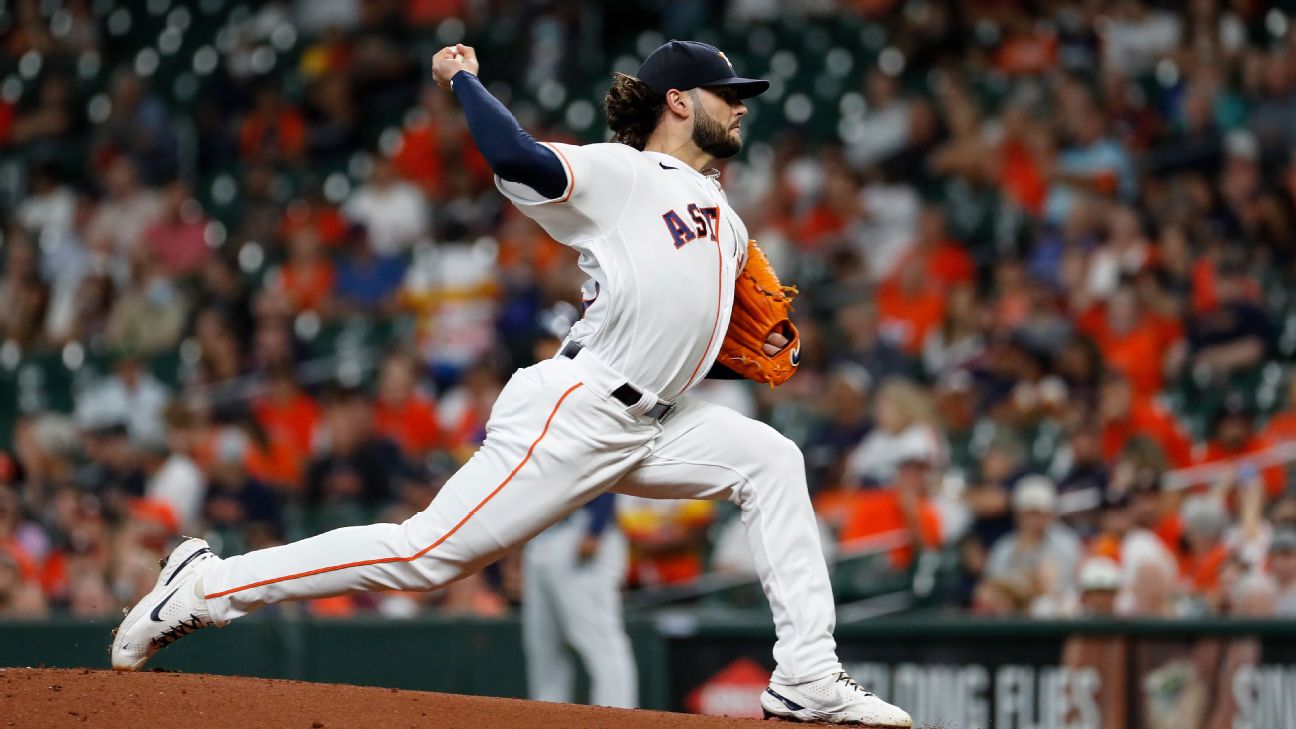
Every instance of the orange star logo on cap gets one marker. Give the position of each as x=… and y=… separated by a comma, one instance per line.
x=726, y=59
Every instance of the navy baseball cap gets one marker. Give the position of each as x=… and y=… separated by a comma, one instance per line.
x=685, y=65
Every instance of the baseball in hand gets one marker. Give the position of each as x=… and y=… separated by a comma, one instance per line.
x=451, y=60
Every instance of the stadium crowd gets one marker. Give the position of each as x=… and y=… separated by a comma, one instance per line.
x=1044, y=250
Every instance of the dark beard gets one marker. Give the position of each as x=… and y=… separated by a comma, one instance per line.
x=711, y=137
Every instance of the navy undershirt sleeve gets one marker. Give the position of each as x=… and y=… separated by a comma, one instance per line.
x=511, y=153
x=600, y=512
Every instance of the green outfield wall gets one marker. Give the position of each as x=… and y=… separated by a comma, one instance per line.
x=952, y=671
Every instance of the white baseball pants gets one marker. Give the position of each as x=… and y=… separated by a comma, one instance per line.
x=567, y=602
x=554, y=440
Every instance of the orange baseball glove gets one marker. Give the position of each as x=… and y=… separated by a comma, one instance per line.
x=761, y=307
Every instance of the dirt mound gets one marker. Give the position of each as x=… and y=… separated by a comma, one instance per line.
x=44, y=698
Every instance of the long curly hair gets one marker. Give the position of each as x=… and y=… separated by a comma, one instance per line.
x=632, y=109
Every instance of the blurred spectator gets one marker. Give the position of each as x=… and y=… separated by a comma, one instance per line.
x=220, y=353
x=111, y=471
x=148, y=317
x=1137, y=36
x=138, y=127
x=1093, y=162
x=24, y=296
x=177, y=239
x=1082, y=477
x=989, y=496
x=884, y=131
x=863, y=344
x=49, y=212
x=667, y=538
x=50, y=118
x=902, y=509
x=289, y=418
x=356, y=467
x=1274, y=116
x=1152, y=591
x=888, y=225
x=402, y=413
x=273, y=131
x=435, y=138
x=393, y=211
x=959, y=338
x=1282, y=565
x=312, y=210
x=1125, y=417
x=19, y=598
x=1122, y=539
x=240, y=508
x=1202, y=554
x=222, y=288
x=308, y=277
x=904, y=425
x=1232, y=336
x=454, y=291
x=258, y=215
x=1253, y=596
x=314, y=16
x=1233, y=440
x=131, y=397
x=173, y=477
x=127, y=209
x=845, y=397
x=1099, y=581
x=1281, y=427
x=333, y=122
x=911, y=305
x=1132, y=342
x=366, y=282
x=1040, y=552
x=463, y=410
x=274, y=346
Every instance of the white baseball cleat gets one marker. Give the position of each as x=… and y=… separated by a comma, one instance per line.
x=835, y=699
x=172, y=610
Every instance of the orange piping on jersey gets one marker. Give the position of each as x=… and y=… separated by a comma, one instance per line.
x=571, y=176
x=430, y=547
x=714, y=325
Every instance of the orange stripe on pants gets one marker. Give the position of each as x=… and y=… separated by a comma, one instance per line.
x=430, y=547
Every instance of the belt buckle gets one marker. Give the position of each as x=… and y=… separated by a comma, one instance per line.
x=670, y=408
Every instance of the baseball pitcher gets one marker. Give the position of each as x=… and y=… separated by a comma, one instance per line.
x=675, y=289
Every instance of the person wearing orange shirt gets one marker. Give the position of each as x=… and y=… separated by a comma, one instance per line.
x=1123, y=417
x=945, y=261
x=1282, y=426
x=308, y=275
x=312, y=210
x=1130, y=341
x=401, y=413
x=273, y=131
x=1234, y=440
x=289, y=417
x=910, y=305
x=904, y=508
x=434, y=138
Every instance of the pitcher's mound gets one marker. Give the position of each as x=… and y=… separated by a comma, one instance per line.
x=45, y=698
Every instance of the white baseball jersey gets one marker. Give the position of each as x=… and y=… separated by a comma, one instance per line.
x=662, y=248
